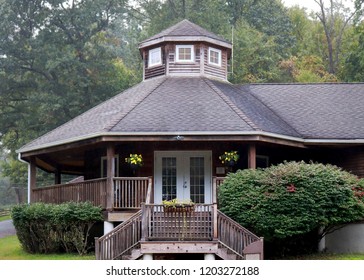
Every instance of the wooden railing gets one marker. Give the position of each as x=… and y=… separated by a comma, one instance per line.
x=91, y=190
x=233, y=236
x=177, y=225
x=130, y=192
x=121, y=240
x=219, y=181
x=126, y=236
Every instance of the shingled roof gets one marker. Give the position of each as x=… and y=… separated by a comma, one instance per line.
x=188, y=30
x=186, y=105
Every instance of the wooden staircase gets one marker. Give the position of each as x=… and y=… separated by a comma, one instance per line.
x=154, y=230
x=127, y=241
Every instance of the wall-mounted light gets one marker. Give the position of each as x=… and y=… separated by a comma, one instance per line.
x=179, y=138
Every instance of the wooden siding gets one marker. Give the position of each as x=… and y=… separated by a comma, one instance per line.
x=352, y=160
x=200, y=66
x=214, y=70
x=190, y=68
x=154, y=71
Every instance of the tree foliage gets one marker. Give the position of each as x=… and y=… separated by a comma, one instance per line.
x=59, y=58
x=292, y=199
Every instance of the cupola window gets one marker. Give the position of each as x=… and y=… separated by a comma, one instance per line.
x=215, y=56
x=185, y=53
x=155, y=57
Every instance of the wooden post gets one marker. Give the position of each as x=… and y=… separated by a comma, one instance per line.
x=97, y=248
x=57, y=176
x=144, y=223
x=252, y=155
x=110, y=154
x=32, y=179
x=214, y=209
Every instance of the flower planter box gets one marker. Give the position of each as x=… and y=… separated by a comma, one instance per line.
x=179, y=209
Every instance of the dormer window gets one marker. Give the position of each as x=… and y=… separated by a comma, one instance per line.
x=185, y=53
x=215, y=56
x=155, y=57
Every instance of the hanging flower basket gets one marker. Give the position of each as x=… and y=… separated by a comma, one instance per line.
x=229, y=158
x=134, y=160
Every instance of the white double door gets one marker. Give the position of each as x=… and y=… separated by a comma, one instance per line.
x=183, y=175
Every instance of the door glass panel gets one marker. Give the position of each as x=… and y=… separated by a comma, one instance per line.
x=197, y=179
x=169, y=178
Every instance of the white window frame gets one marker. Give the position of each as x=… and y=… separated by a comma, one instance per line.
x=159, y=53
x=178, y=47
x=219, y=56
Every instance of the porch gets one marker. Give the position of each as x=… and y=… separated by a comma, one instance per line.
x=148, y=228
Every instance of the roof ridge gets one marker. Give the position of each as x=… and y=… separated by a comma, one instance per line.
x=305, y=84
x=239, y=112
x=76, y=117
x=274, y=112
x=122, y=115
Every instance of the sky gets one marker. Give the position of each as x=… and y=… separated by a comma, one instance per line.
x=309, y=4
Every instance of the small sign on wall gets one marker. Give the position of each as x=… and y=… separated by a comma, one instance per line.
x=220, y=170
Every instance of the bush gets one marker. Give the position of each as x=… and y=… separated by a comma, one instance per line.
x=49, y=228
x=292, y=199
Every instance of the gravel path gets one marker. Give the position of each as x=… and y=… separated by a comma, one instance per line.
x=7, y=228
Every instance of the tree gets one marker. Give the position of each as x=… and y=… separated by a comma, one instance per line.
x=292, y=199
x=306, y=69
x=57, y=59
x=335, y=20
x=255, y=57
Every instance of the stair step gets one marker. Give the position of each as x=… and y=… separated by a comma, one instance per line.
x=135, y=254
x=226, y=254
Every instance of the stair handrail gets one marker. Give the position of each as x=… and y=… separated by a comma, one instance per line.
x=125, y=236
x=233, y=235
x=120, y=240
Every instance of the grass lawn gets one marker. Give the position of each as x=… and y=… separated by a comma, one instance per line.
x=327, y=256
x=10, y=249
x=4, y=218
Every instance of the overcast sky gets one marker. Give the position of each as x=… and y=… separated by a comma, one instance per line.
x=309, y=4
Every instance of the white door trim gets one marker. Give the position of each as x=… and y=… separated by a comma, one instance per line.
x=182, y=172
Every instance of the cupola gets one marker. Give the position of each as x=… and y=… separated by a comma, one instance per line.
x=185, y=49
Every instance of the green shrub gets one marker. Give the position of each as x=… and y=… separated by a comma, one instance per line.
x=49, y=228
x=292, y=199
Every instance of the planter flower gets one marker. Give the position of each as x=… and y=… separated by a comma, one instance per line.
x=229, y=158
x=176, y=205
x=134, y=160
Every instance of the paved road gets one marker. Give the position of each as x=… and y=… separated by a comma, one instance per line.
x=6, y=228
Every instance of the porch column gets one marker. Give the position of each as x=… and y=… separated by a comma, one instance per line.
x=57, y=176
x=209, y=257
x=108, y=226
x=252, y=155
x=147, y=257
x=110, y=154
x=32, y=178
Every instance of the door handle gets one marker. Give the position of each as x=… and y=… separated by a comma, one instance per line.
x=185, y=184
